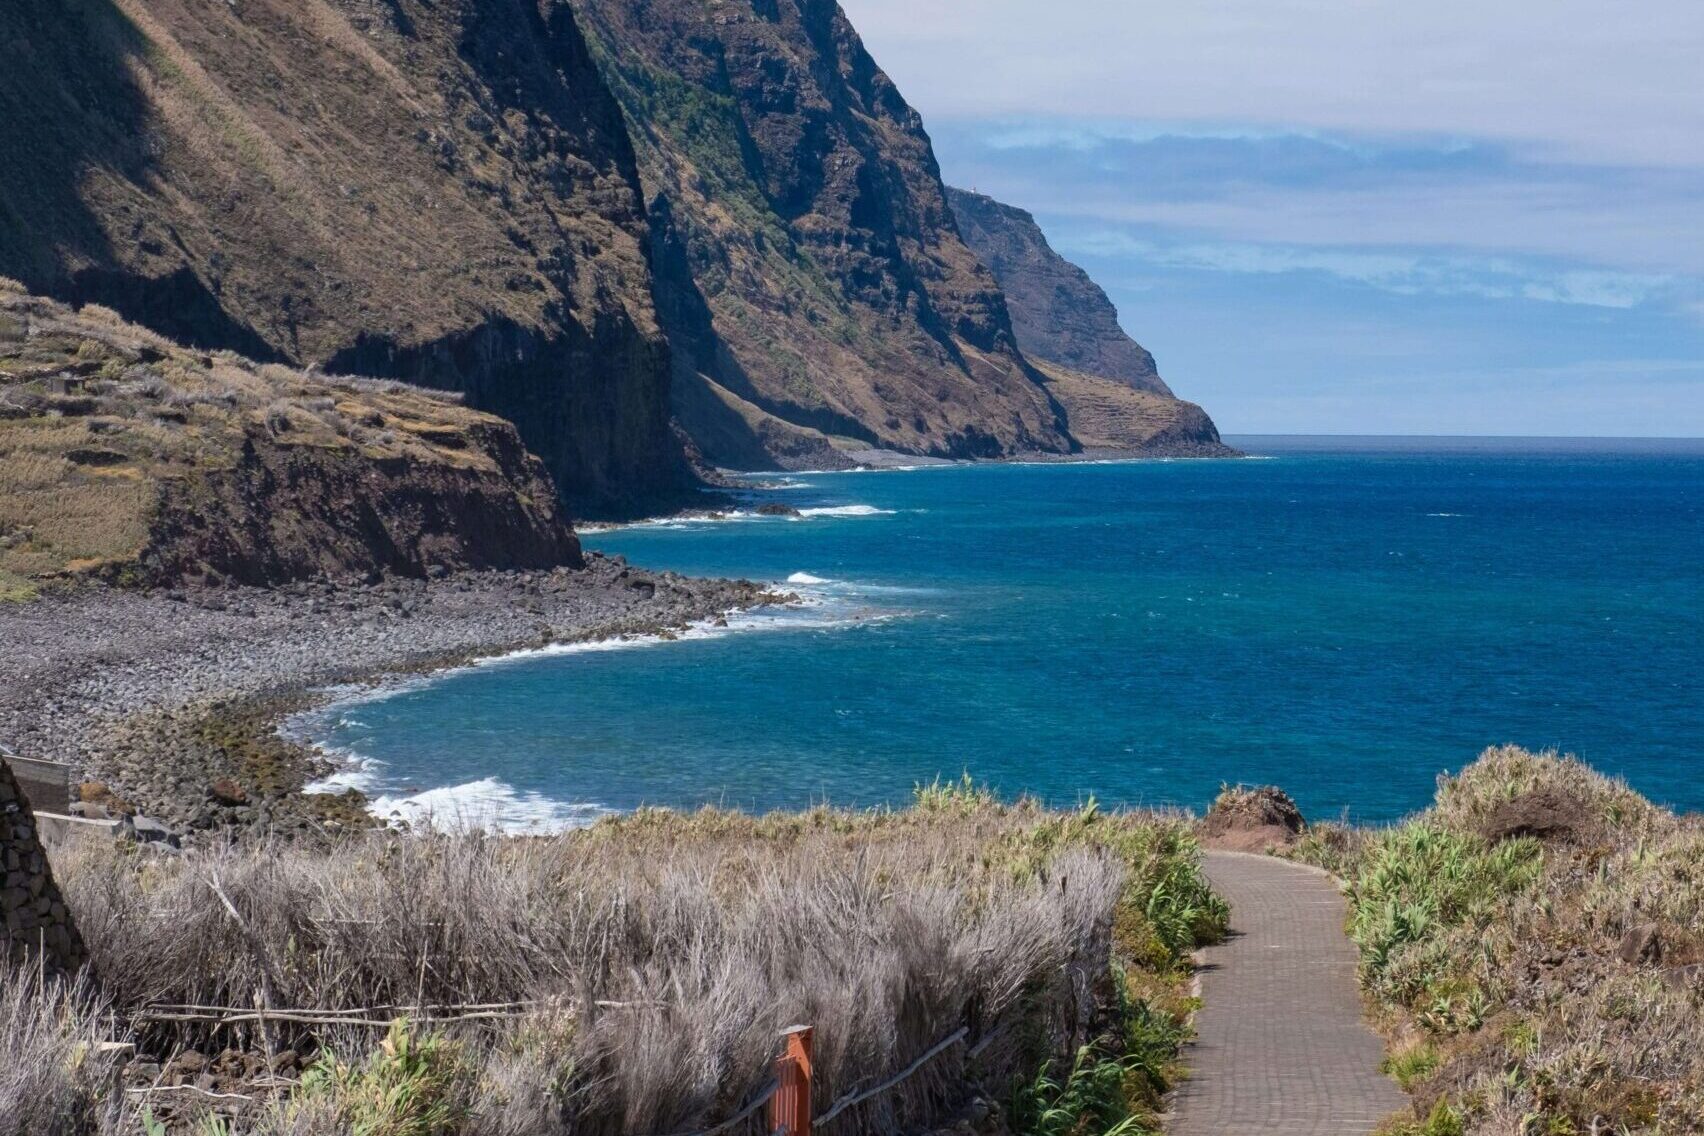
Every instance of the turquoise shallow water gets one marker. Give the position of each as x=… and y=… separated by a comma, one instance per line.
x=1343, y=619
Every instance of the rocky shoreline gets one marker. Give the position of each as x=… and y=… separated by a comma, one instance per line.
x=167, y=702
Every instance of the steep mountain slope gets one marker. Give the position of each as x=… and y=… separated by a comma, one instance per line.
x=126, y=457
x=1059, y=314
x=1112, y=393
x=809, y=274
x=435, y=190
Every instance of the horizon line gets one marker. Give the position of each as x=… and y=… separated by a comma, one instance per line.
x=1485, y=437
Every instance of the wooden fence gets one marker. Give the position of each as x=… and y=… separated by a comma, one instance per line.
x=788, y=1094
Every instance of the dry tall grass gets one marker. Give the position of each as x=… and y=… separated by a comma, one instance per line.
x=53, y=1077
x=659, y=956
x=1534, y=941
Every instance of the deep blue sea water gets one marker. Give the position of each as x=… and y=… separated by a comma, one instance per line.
x=1346, y=618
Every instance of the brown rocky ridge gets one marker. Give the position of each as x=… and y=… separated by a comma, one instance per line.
x=127, y=458
x=651, y=234
x=1107, y=383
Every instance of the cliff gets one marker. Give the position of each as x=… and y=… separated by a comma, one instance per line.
x=814, y=288
x=128, y=458
x=1106, y=382
x=440, y=191
x=637, y=229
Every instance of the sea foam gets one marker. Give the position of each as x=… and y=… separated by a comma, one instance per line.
x=488, y=804
x=846, y=511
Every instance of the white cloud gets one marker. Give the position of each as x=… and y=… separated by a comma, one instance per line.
x=1642, y=225
x=1600, y=81
x=1406, y=273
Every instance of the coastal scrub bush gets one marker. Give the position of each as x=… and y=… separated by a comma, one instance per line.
x=963, y=795
x=1418, y=883
x=634, y=976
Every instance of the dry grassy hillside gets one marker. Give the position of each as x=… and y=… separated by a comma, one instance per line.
x=128, y=458
x=1105, y=414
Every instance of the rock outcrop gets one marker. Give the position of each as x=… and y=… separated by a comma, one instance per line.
x=440, y=191
x=1111, y=390
x=128, y=458
x=812, y=282
x=1252, y=820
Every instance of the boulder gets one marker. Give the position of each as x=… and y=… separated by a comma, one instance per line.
x=225, y=791
x=1641, y=945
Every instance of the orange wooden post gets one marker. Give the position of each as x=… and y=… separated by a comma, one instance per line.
x=790, y=1107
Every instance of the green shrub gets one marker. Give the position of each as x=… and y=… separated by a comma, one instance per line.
x=961, y=796
x=408, y=1086
x=1418, y=882
x=1411, y=1066
x=1089, y=1101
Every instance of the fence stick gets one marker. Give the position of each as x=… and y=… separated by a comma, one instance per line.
x=790, y=1108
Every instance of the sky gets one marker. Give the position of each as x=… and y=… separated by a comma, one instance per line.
x=1352, y=216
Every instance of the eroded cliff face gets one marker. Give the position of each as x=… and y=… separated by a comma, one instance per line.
x=441, y=191
x=809, y=273
x=128, y=458
x=1107, y=383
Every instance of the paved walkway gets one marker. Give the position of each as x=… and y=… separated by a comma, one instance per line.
x=1281, y=1049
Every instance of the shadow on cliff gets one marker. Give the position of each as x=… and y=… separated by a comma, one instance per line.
x=69, y=104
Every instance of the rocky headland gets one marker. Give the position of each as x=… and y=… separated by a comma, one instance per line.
x=1107, y=384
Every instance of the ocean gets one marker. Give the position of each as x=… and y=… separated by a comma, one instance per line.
x=1345, y=618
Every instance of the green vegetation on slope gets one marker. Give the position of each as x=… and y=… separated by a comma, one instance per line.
x=1532, y=944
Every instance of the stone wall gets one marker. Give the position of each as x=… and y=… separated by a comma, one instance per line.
x=37, y=926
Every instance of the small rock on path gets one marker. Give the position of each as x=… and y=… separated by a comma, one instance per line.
x=1281, y=1048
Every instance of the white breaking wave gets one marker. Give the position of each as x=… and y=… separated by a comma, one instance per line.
x=486, y=804
x=493, y=804
x=354, y=770
x=731, y=516
x=846, y=511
